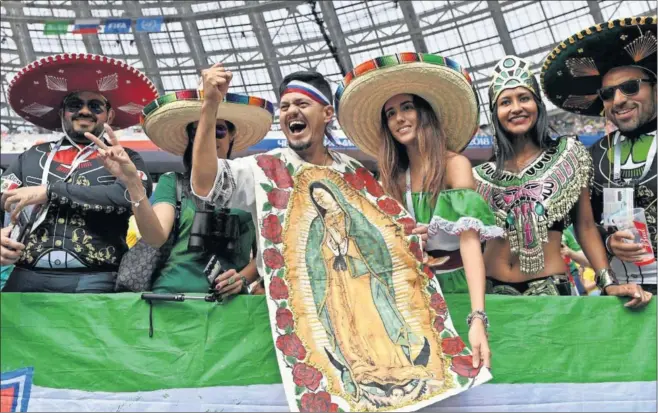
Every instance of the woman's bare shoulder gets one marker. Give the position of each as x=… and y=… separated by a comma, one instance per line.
x=459, y=172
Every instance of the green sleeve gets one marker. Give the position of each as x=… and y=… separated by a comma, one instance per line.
x=569, y=239
x=165, y=191
x=459, y=210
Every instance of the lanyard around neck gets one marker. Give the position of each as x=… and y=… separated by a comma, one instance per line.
x=80, y=157
x=616, y=175
x=408, y=197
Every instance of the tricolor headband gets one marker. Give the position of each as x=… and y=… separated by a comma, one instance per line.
x=297, y=86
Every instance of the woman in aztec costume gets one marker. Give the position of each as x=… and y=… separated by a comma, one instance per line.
x=170, y=121
x=609, y=70
x=414, y=113
x=537, y=186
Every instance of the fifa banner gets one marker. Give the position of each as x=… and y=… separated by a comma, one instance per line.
x=75, y=352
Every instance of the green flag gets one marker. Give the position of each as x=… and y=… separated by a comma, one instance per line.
x=56, y=27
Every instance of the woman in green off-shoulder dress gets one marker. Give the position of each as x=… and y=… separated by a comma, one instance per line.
x=415, y=112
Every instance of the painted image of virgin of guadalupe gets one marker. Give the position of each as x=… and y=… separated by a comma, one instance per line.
x=350, y=270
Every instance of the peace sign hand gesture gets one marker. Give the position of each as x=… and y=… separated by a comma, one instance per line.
x=115, y=158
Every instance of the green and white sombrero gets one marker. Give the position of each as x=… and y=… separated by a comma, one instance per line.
x=165, y=119
x=441, y=81
x=573, y=72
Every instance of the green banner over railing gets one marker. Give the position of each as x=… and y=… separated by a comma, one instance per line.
x=102, y=343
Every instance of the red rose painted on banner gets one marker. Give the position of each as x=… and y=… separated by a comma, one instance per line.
x=371, y=184
x=268, y=162
x=428, y=271
x=282, y=179
x=363, y=173
x=291, y=345
x=306, y=376
x=415, y=249
x=354, y=180
x=452, y=345
x=438, y=304
x=284, y=318
x=463, y=365
x=439, y=324
x=389, y=205
x=278, y=289
x=271, y=228
x=408, y=223
x=374, y=189
x=273, y=258
x=278, y=198
x=275, y=169
x=318, y=402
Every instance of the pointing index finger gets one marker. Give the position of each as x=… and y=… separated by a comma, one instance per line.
x=97, y=141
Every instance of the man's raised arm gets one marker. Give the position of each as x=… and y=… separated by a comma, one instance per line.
x=204, y=155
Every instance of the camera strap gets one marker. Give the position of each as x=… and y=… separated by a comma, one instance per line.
x=179, y=198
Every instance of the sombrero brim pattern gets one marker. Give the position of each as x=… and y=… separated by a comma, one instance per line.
x=439, y=80
x=573, y=72
x=37, y=91
x=166, y=118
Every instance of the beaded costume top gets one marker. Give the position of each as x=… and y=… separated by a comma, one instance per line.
x=527, y=204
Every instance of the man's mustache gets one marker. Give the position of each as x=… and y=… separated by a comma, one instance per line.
x=625, y=105
x=88, y=117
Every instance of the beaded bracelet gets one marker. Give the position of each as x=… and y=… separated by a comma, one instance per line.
x=478, y=314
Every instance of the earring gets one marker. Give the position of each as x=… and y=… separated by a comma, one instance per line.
x=496, y=149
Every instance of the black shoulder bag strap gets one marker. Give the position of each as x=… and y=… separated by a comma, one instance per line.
x=179, y=201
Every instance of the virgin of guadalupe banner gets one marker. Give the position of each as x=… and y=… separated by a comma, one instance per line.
x=358, y=322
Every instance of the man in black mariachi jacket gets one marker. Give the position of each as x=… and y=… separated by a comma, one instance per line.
x=79, y=233
x=610, y=70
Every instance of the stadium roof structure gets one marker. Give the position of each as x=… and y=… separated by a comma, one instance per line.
x=262, y=41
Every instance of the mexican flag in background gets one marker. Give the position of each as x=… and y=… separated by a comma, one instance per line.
x=55, y=27
x=74, y=352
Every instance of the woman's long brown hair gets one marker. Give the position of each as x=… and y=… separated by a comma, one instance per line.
x=394, y=161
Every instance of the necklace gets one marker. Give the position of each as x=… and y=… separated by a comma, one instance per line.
x=531, y=159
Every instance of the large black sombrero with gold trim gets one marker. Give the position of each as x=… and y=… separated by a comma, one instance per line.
x=573, y=72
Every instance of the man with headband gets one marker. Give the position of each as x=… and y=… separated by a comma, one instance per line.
x=76, y=236
x=305, y=113
x=610, y=70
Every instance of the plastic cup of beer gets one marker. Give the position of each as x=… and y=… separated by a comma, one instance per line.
x=641, y=232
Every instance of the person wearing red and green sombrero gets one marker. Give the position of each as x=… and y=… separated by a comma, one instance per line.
x=609, y=70
x=79, y=235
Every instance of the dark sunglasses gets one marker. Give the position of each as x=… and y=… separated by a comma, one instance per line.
x=75, y=105
x=220, y=131
x=628, y=88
